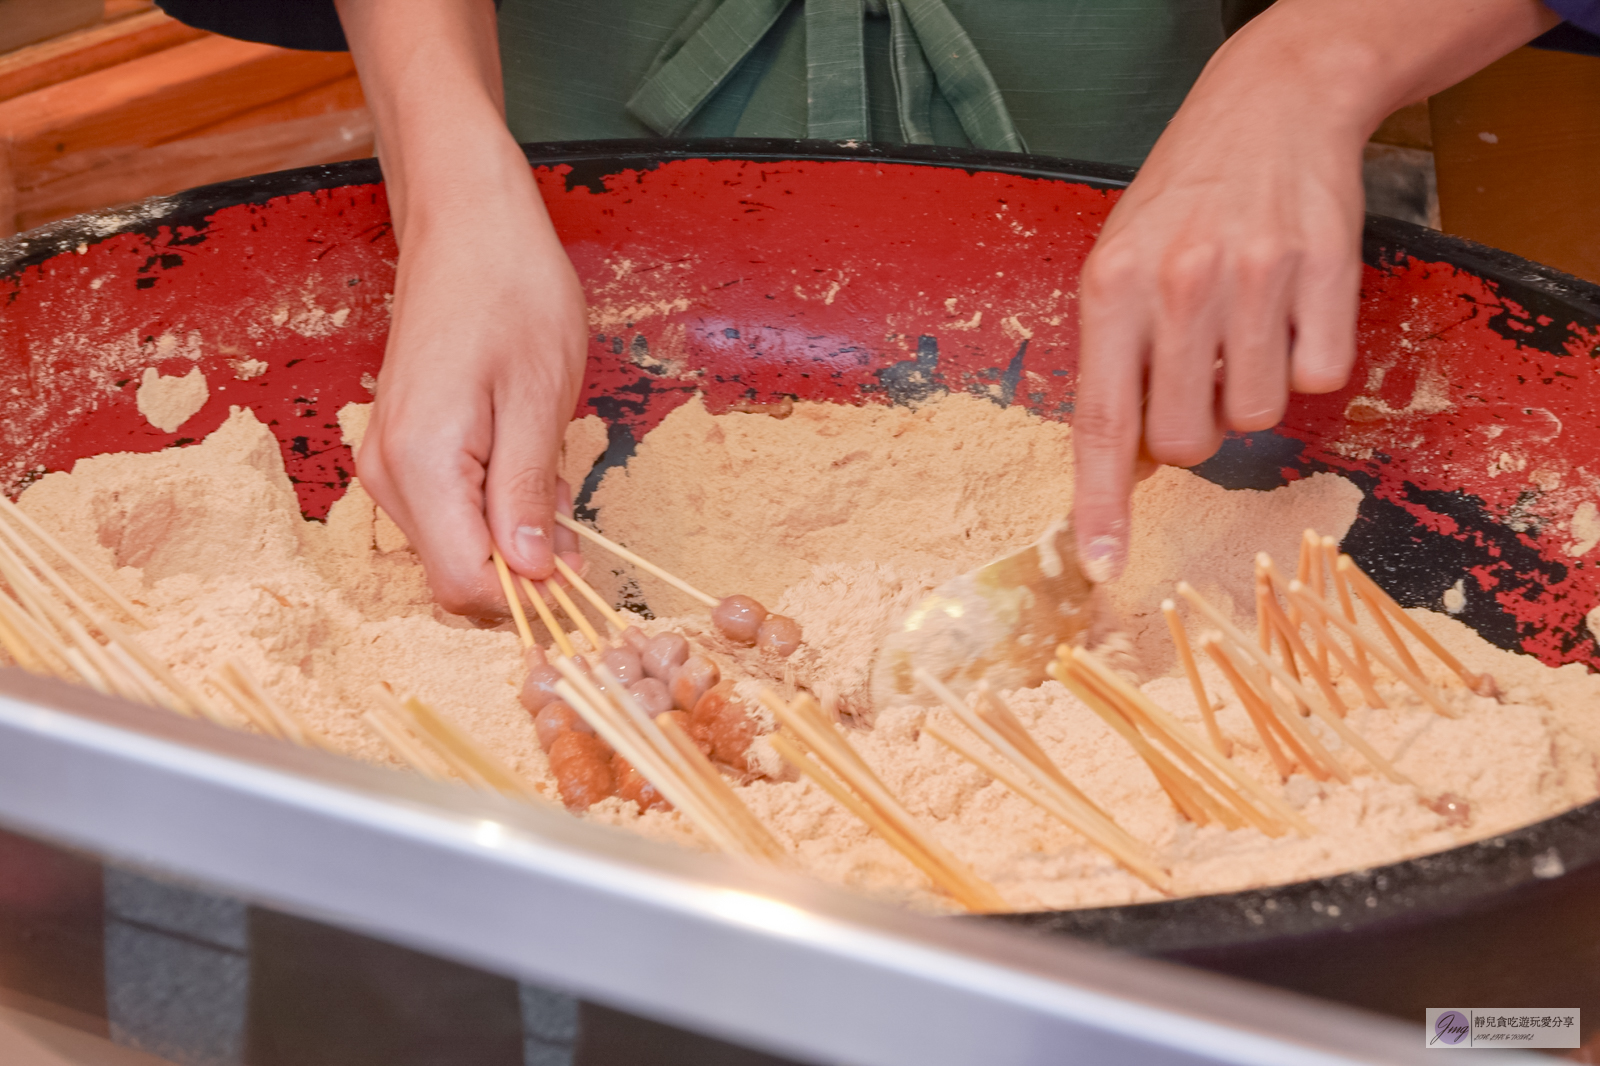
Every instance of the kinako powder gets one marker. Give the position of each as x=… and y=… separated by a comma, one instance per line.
x=840, y=517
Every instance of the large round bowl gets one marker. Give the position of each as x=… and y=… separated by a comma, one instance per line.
x=750, y=271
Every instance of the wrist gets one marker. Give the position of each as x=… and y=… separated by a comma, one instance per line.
x=1279, y=81
x=475, y=181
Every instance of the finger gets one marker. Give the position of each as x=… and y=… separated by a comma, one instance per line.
x=1181, y=413
x=1326, y=297
x=521, y=486
x=1255, y=387
x=435, y=496
x=1106, y=420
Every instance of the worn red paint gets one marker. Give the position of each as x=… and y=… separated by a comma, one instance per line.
x=855, y=281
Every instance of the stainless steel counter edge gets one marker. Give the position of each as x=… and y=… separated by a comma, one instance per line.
x=769, y=959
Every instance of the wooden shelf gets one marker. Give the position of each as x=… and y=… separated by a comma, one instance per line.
x=142, y=105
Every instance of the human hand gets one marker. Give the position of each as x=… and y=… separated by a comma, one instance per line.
x=481, y=375
x=1228, y=274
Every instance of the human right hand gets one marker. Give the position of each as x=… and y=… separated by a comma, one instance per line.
x=484, y=363
x=1227, y=275
x=486, y=347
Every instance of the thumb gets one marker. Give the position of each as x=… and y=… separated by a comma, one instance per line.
x=521, y=496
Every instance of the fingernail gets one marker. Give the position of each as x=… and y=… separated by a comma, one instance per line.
x=533, y=545
x=1102, y=559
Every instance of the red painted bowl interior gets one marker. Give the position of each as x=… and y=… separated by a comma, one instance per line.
x=854, y=281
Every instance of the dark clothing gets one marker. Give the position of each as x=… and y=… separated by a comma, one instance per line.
x=309, y=24
x=1086, y=79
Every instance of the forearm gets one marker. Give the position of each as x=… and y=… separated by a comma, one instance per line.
x=1346, y=64
x=431, y=73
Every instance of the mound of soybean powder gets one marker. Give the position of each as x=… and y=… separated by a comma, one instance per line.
x=839, y=517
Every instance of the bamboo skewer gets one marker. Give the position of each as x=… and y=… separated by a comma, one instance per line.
x=1416, y=684
x=398, y=740
x=117, y=599
x=1260, y=714
x=623, y=553
x=1191, y=670
x=1362, y=678
x=1084, y=816
x=1314, y=550
x=513, y=601
x=1379, y=615
x=1000, y=718
x=1383, y=601
x=1293, y=721
x=592, y=705
x=579, y=619
x=459, y=750
x=671, y=762
x=1278, y=622
x=797, y=755
x=1028, y=789
x=805, y=720
x=547, y=616
x=612, y=616
x=1206, y=764
x=15, y=642
x=1341, y=586
x=1192, y=803
x=1302, y=744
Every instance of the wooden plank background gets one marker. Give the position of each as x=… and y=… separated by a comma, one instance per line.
x=140, y=105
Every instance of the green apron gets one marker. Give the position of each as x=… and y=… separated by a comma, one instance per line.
x=1084, y=79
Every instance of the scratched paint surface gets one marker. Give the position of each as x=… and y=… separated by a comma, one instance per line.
x=1467, y=422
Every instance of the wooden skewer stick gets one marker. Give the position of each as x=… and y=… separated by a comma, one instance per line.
x=1381, y=617
x=805, y=719
x=592, y=706
x=117, y=599
x=1293, y=721
x=1088, y=819
x=1267, y=634
x=683, y=775
x=1290, y=638
x=1178, y=788
x=623, y=553
x=252, y=712
x=1389, y=663
x=18, y=642
x=1302, y=569
x=1188, y=746
x=1348, y=735
x=661, y=763
x=579, y=619
x=663, y=732
x=954, y=886
x=395, y=737
x=1191, y=669
x=1364, y=583
x=994, y=711
x=1023, y=786
x=1341, y=587
x=1260, y=714
x=513, y=601
x=1303, y=745
x=547, y=616
x=457, y=747
x=37, y=598
x=1357, y=672
x=1204, y=763
x=612, y=616
x=750, y=827
x=1313, y=546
